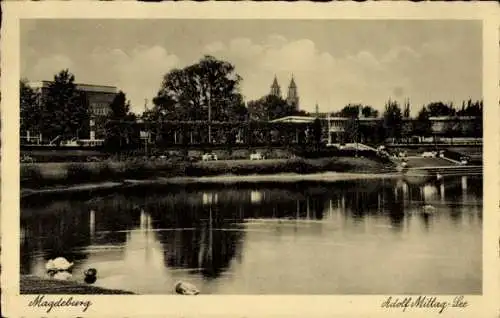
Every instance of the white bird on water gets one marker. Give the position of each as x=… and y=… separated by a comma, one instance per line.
x=58, y=264
x=62, y=275
x=429, y=209
x=59, y=268
x=184, y=288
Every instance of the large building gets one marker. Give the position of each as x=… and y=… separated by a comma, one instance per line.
x=292, y=97
x=334, y=127
x=99, y=98
x=275, y=88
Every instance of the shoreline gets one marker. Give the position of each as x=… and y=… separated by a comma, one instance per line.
x=34, y=285
x=285, y=178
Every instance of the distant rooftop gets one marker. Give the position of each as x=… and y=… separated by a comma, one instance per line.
x=444, y=118
x=80, y=86
x=294, y=119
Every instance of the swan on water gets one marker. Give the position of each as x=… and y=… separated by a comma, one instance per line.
x=58, y=264
x=428, y=209
x=184, y=288
x=62, y=275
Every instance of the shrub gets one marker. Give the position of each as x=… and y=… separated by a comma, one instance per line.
x=30, y=176
x=79, y=173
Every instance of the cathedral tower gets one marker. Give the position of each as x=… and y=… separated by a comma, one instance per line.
x=275, y=88
x=293, y=96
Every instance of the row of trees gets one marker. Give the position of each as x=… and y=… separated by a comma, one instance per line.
x=396, y=122
x=209, y=91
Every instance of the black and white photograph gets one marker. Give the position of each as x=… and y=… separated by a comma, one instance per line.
x=218, y=156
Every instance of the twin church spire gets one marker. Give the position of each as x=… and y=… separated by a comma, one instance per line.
x=292, y=97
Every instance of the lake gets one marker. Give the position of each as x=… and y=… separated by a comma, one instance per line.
x=350, y=237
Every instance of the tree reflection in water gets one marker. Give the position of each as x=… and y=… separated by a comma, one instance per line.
x=203, y=230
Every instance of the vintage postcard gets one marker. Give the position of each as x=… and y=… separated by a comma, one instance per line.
x=250, y=160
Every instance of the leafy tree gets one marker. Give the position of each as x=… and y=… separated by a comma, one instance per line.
x=29, y=108
x=269, y=107
x=119, y=107
x=423, y=126
x=299, y=113
x=117, y=133
x=369, y=112
x=393, y=120
x=353, y=111
x=65, y=109
x=471, y=108
x=436, y=109
x=209, y=86
x=350, y=111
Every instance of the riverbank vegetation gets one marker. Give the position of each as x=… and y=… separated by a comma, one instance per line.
x=41, y=175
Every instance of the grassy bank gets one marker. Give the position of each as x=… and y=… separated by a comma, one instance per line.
x=36, y=285
x=42, y=175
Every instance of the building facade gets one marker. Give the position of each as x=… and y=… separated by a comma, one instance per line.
x=99, y=99
x=292, y=97
x=336, y=129
x=275, y=88
x=461, y=125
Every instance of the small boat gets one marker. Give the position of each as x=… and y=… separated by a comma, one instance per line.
x=184, y=288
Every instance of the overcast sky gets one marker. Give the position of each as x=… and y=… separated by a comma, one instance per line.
x=334, y=62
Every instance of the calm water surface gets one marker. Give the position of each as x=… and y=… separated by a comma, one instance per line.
x=363, y=237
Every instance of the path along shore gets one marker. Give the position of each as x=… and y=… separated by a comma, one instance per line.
x=215, y=180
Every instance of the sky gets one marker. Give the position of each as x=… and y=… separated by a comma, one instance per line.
x=334, y=62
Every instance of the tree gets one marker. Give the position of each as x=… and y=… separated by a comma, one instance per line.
x=209, y=88
x=118, y=134
x=472, y=108
x=436, y=109
x=65, y=109
x=119, y=107
x=369, y=112
x=29, y=108
x=353, y=111
x=393, y=120
x=269, y=107
x=423, y=126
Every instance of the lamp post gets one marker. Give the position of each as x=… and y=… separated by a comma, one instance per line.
x=209, y=115
x=146, y=135
x=357, y=129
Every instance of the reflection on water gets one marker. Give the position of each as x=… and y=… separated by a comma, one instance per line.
x=365, y=237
